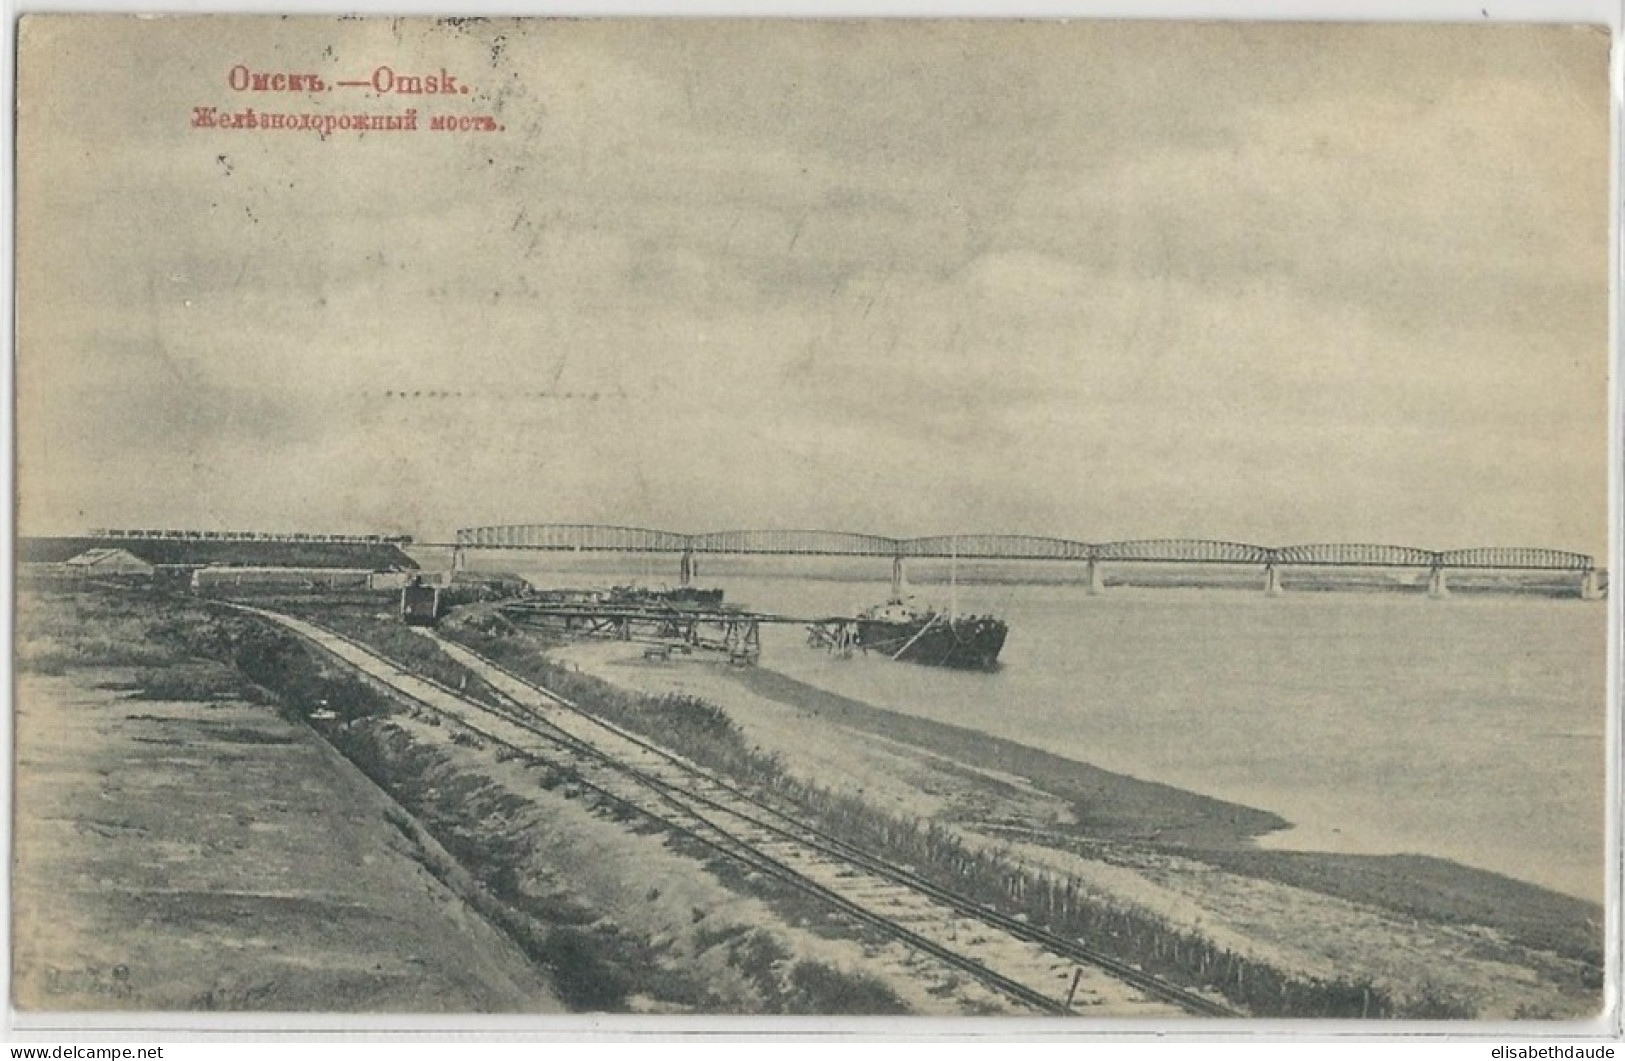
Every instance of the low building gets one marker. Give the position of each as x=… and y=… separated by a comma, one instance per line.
x=395, y=579
x=223, y=576
x=390, y=579
x=108, y=563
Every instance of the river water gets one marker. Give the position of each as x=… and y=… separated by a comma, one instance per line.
x=1471, y=728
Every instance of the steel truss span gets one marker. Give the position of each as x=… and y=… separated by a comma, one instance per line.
x=589, y=537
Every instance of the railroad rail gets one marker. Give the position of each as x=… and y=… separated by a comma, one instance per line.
x=1019, y=961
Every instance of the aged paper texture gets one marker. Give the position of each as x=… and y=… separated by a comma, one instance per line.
x=937, y=518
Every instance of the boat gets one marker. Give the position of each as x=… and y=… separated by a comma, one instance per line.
x=917, y=635
x=920, y=635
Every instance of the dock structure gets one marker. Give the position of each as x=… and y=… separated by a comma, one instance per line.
x=734, y=632
x=1270, y=561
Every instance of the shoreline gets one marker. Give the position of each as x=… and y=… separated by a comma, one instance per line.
x=1122, y=821
x=1107, y=803
x=1210, y=829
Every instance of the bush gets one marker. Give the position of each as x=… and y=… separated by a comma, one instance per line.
x=820, y=989
x=1433, y=1002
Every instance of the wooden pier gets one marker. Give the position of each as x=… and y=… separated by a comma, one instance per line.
x=733, y=632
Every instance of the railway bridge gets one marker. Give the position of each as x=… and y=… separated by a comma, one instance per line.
x=1269, y=560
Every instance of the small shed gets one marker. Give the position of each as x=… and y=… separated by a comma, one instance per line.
x=97, y=563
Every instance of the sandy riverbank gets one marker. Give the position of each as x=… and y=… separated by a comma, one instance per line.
x=1424, y=928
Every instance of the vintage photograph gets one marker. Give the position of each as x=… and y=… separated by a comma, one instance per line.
x=934, y=518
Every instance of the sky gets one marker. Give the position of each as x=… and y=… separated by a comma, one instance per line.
x=1264, y=283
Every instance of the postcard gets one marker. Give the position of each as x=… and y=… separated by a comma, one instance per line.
x=1103, y=521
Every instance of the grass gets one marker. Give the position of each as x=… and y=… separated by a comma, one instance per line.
x=57, y=631
x=200, y=681
x=816, y=988
x=689, y=726
x=1067, y=907
x=397, y=643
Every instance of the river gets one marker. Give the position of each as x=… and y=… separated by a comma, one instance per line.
x=1471, y=728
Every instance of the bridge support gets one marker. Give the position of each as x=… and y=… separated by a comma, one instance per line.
x=897, y=578
x=1438, y=588
x=743, y=639
x=1272, y=581
x=685, y=568
x=459, y=558
x=1591, y=585
x=1097, y=582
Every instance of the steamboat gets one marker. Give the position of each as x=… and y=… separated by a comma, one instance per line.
x=916, y=635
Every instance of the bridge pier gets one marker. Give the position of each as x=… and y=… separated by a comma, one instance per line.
x=1438, y=588
x=897, y=577
x=459, y=558
x=685, y=568
x=1272, y=581
x=743, y=639
x=1097, y=582
x=1591, y=585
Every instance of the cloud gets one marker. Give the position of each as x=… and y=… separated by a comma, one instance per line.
x=1101, y=280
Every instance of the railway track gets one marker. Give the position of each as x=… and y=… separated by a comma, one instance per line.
x=1037, y=969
